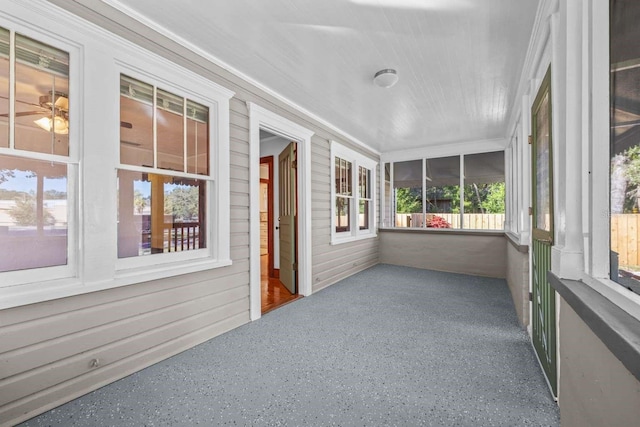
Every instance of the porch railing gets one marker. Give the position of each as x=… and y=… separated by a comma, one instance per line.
x=181, y=236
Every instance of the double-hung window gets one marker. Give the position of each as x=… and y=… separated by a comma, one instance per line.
x=353, y=203
x=114, y=163
x=164, y=175
x=344, y=194
x=38, y=168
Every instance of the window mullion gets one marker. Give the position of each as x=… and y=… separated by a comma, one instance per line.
x=424, y=193
x=462, y=191
x=392, y=198
x=154, y=116
x=355, y=190
x=12, y=88
x=184, y=136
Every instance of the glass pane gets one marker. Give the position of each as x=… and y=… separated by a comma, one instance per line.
x=197, y=138
x=136, y=122
x=159, y=213
x=484, y=191
x=363, y=215
x=170, y=131
x=625, y=143
x=33, y=214
x=4, y=88
x=363, y=182
x=542, y=159
x=442, y=184
x=42, y=100
x=343, y=177
x=343, y=214
x=408, y=193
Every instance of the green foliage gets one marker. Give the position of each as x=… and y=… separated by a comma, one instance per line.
x=24, y=212
x=5, y=174
x=494, y=202
x=139, y=201
x=632, y=169
x=182, y=203
x=484, y=198
x=444, y=199
x=632, y=175
x=409, y=200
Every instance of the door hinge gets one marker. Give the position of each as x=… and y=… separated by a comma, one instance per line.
x=530, y=296
x=530, y=139
x=530, y=210
x=294, y=267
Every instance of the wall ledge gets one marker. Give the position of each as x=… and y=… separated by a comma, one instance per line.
x=513, y=239
x=444, y=231
x=617, y=329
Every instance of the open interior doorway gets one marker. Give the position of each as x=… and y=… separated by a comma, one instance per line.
x=278, y=221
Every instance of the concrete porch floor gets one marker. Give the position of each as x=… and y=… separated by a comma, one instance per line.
x=388, y=346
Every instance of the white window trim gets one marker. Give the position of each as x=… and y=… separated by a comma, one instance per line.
x=596, y=193
x=357, y=160
x=388, y=159
x=215, y=201
x=97, y=58
x=13, y=279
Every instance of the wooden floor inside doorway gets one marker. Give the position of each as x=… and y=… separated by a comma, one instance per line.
x=274, y=294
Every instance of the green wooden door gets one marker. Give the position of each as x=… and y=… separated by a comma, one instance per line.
x=543, y=308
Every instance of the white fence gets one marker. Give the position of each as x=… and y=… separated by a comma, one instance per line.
x=470, y=221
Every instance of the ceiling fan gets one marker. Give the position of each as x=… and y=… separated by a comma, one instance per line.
x=54, y=107
x=55, y=110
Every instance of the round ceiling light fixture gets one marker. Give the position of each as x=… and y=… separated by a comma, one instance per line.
x=386, y=78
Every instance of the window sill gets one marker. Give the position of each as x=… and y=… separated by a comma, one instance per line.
x=617, y=329
x=445, y=230
x=347, y=239
x=15, y=296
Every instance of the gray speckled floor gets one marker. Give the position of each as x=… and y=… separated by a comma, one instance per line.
x=391, y=346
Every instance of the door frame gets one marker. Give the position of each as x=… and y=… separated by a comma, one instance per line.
x=261, y=118
x=268, y=160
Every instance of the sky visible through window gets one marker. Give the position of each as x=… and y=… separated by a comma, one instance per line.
x=26, y=181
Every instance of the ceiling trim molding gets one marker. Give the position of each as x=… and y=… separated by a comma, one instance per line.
x=445, y=150
x=117, y=5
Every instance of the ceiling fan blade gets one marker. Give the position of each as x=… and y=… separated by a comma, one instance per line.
x=29, y=113
x=24, y=113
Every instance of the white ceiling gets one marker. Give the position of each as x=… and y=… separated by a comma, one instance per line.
x=459, y=61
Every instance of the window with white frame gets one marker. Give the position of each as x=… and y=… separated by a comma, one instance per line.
x=114, y=163
x=163, y=173
x=343, y=194
x=168, y=174
x=463, y=191
x=37, y=165
x=352, y=192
